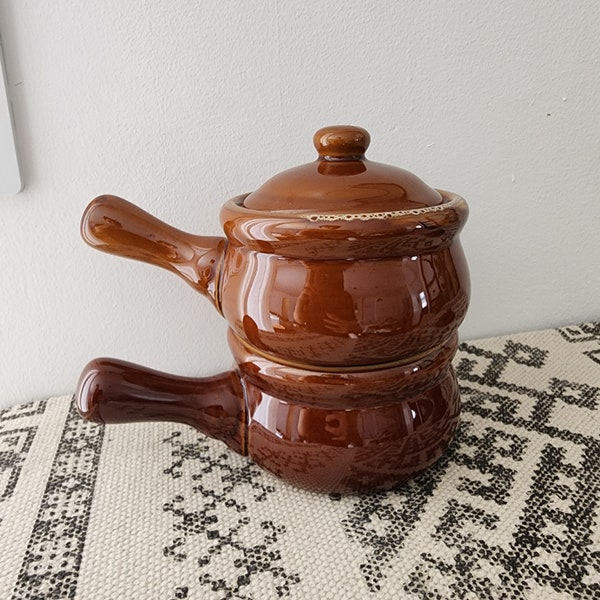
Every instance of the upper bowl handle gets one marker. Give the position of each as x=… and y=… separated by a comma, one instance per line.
x=116, y=226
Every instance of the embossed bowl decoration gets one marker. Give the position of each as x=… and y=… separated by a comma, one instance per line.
x=343, y=283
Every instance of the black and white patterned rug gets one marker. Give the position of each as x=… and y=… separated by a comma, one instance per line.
x=158, y=511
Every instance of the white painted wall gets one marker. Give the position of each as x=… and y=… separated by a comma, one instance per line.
x=181, y=105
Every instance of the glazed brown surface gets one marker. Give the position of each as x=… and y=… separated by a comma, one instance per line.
x=312, y=311
x=343, y=388
x=335, y=432
x=328, y=313
x=343, y=282
x=342, y=180
x=115, y=391
x=116, y=226
x=353, y=449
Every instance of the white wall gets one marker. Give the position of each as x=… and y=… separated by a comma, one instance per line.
x=181, y=105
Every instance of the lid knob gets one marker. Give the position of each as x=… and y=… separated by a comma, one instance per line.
x=341, y=142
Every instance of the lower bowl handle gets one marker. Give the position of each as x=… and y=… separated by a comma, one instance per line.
x=115, y=391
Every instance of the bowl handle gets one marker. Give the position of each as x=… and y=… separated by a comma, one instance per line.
x=115, y=391
x=116, y=226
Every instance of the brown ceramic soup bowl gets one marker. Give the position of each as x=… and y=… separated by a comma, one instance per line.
x=343, y=283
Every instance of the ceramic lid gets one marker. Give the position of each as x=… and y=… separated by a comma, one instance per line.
x=342, y=180
x=343, y=206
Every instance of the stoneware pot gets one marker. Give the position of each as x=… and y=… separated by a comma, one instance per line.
x=343, y=282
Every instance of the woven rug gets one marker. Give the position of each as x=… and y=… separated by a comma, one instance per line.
x=158, y=511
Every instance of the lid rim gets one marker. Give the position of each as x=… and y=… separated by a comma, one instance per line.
x=292, y=234
x=449, y=200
